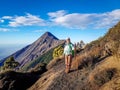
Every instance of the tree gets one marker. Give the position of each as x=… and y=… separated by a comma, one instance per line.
x=10, y=63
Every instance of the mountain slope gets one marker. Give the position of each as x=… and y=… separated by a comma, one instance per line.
x=45, y=58
x=36, y=49
x=95, y=68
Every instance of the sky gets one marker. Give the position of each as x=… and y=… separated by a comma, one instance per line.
x=24, y=21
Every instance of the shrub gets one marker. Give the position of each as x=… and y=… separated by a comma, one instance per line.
x=10, y=63
x=58, y=51
x=38, y=69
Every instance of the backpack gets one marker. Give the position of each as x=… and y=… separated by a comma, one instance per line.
x=71, y=49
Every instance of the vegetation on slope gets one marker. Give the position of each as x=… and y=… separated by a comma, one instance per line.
x=9, y=64
x=45, y=59
x=96, y=67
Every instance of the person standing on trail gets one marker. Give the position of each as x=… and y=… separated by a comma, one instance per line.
x=68, y=53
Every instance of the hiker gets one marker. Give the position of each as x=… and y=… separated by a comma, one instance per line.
x=68, y=53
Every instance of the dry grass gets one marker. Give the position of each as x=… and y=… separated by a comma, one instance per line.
x=45, y=81
x=86, y=58
x=102, y=76
x=105, y=74
x=99, y=78
x=54, y=61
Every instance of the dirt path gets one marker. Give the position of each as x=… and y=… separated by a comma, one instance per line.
x=57, y=79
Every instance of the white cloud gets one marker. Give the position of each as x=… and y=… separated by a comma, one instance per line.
x=1, y=21
x=4, y=30
x=6, y=17
x=108, y=19
x=57, y=13
x=27, y=20
x=89, y=20
x=74, y=20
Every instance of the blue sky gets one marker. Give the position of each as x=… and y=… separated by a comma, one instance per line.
x=24, y=21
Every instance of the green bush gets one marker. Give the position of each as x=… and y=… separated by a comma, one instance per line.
x=10, y=63
x=58, y=51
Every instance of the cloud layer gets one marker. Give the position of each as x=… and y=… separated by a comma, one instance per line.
x=82, y=21
x=65, y=19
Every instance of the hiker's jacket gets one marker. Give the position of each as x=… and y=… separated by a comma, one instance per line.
x=68, y=49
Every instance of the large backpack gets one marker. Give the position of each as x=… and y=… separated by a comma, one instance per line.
x=71, y=49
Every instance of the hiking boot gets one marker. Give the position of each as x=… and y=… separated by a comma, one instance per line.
x=67, y=70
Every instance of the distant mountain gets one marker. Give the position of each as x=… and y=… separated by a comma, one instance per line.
x=36, y=49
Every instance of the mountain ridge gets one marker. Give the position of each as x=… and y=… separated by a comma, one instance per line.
x=37, y=48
